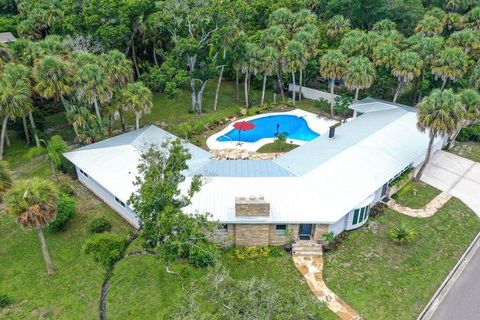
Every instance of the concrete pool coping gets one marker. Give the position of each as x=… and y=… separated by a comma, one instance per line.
x=316, y=123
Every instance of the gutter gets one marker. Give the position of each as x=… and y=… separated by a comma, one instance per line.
x=429, y=310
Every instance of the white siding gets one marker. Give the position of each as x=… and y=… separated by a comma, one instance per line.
x=108, y=198
x=339, y=226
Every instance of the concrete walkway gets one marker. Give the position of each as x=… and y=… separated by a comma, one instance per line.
x=311, y=267
x=458, y=176
x=429, y=210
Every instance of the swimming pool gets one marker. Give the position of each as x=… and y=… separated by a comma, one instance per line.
x=292, y=126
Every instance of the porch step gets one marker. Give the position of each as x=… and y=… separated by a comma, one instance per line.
x=307, y=248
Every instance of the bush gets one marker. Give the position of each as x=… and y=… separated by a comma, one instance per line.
x=66, y=188
x=378, y=209
x=276, y=251
x=100, y=225
x=401, y=234
x=323, y=104
x=106, y=249
x=244, y=253
x=66, y=207
x=4, y=300
x=203, y=254
x=471, y=133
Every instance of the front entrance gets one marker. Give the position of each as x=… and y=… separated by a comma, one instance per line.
x=305, y=231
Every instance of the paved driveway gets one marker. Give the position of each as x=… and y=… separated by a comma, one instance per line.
x=458, y=176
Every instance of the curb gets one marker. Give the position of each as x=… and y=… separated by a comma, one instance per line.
x=442, y=291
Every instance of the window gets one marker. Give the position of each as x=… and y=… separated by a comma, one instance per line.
x=281, y=228
x=223, y=227
x=120, y=202
x=83, y=172
x=360, y=215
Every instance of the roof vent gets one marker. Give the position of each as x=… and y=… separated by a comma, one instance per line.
x=331, y=133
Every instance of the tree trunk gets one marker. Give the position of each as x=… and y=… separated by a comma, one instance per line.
x=246, y=89
x=200, y=95
x=294, y=88
x=397, y=91
x=3, y=136
x=443, y=84
x=137, y=120
x=97, y=110
x=25, y=130
x=217, y=91
x=453, y=139
x=75, y=129
x=52, y=165
x=122, y=120
x=332, y=98
x=356, y=94
x=155, y=56
x=46, y=255
x=110, y=125
x=427, y=158
x=7, y=139
x=300, y=85
x=134, y=57
x=237, y=86
x=194, y=95
x=34, y=129
x=263, y=88
x=279, y=78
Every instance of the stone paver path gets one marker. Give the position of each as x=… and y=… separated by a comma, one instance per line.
x=429, y=210
x=311, y=267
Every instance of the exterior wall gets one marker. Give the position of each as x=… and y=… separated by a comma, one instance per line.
x=320, y=229
x=108, y=198
x=339, y=226
x=251, y=234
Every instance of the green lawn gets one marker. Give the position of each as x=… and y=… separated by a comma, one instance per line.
x=274, y=147
x=416, y=195
x=469, y=150
x=386, y=281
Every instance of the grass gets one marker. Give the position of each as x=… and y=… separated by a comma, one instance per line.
x=275, y=147
x=416, y=194
x=386, y=281
x=469, y=150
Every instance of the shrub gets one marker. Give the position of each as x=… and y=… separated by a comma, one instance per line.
x=66, y=207
x=276, y=251
x=323, y=104
x=100, y=225
x=203, y=254
x=106, y=249
x=4, y=300
x=378, y=209
x=471, y=133
x=401, y=234
x=244, y=253
x=66, y=188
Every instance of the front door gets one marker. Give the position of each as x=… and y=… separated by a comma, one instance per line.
x=305, y=231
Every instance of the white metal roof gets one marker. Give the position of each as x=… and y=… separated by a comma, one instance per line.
x=318, y=182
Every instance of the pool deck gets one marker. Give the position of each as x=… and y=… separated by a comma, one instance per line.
x=318, y=124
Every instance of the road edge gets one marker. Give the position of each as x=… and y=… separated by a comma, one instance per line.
x=442, y=291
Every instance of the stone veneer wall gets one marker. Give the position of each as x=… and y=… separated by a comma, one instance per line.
x=251, y=235
x=251, y=207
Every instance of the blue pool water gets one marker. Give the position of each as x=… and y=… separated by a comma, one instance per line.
x=266, y=127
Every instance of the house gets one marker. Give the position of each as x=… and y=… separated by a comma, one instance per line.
x=328, y=184
x=7, y=37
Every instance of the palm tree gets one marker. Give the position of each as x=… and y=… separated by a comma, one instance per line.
x=5, y=178
x=268, y=61
x=475, y=77
x=118, y=68
x=337, y=26
x=79, y=117
x=137, y=98
x=471, y=19
x=470, y=100
x=249, y=65
x=468, y=40
x=53, y=78
x=15, y=100
x=451, y=64
x=429, y=26
x=5, y=55
x=333, y=67
x=294, y=60
x=440, y=114
x=93, y=87
x=360, y=74
x=33, y=202
x=354, y=43
x=402, y=233
x=385, y=54
x=406, y=67
x=384, y=25
x=53, y=149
